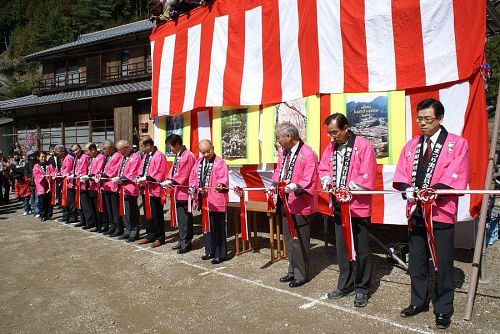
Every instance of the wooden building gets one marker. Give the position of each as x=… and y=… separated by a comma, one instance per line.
x=94, y=88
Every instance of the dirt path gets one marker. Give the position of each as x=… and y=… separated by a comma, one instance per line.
x=60, y=279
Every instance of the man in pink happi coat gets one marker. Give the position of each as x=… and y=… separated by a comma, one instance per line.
x=212, y=172
x=439, y=160
x=95, y=166
x=178, y=177
x=110, y=170
x=80, y=169
x=42, y=174
x=152, y=173
x=298, y=168
x=349, y=161
x=129, y=171
x=69, y=211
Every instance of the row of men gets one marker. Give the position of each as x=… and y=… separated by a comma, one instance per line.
x=348, y=162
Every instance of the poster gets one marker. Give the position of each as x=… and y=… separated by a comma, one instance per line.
x=295, y=112
x=368, y=117
x=234, y=124
x=174, y=125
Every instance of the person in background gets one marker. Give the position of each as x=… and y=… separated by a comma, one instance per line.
x=69, y=212
x=42, y=174
x=28, y=172
x=21, y=184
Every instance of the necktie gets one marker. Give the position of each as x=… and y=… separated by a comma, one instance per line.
x=427, y=153
x=287, y=165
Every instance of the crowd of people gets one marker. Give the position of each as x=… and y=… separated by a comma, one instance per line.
x=103, y=188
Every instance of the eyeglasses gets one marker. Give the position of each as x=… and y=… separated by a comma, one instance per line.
x=426, y=120
x=334, y=133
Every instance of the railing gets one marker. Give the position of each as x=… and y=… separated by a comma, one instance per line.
x=128, y=70
x=59, y=81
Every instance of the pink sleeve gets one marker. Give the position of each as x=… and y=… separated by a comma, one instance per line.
x=193, y=177
x=456, y=174
x=222, y=174
x=185, y=167
x=277, y=170
x=159, y=167
x=324, y=168
x=367, y=172
x=113, y=167
x=309, y=173
x=37, y=174
x=402, y=174
x=135, y=165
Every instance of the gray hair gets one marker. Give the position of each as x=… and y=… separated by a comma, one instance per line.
x=287, y=128
x=107, y=142
x=60, y=148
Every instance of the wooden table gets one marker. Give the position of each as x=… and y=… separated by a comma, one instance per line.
x=276, y=242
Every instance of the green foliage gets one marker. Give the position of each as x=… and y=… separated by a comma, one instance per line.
x=493, y=58
x=30, y=26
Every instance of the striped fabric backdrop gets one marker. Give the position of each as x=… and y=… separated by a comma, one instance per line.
x=253, y=52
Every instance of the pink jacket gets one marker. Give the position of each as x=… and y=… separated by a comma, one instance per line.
x=112, y=168
x=362, y=171
x=156, y=172
x=217, y=202
x=42, y=185
x=67, y=165
x=181, y=177
x=130, y=173
x=305, y=174
x=81, y=169
x=452, y=170
x=96, y=168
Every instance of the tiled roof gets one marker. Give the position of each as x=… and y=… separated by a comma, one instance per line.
x=98, y=36
x=34, y=100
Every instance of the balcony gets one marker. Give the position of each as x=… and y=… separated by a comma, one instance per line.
x=128, y=71
x=61, y=82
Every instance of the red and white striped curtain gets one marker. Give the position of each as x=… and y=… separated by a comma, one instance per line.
x=253, y=52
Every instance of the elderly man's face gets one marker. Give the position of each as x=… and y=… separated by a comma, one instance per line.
x=61, y=153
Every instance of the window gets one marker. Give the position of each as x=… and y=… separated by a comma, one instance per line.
x=60, y=76
x=125, y=58
x=73, y=74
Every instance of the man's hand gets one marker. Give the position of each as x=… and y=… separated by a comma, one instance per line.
x=290, y=187
x=166, y=183
x=354, y=186
x=140, y=180
x=191, y=190
x=325, y=183
x=116, y=179
x=218, y=187
x=410, y=194
x=84, y=178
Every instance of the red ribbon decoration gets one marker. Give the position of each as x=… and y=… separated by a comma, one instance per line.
x=77, y=194
x=173, y=210
x=147, y=204
x=270, y=200
x=243, y=213
x=53, y=189
x=64, y=192
x=205, y=220
x=163, y=196
x=427, y=197
x=121, y=199
x=291, y=227
x=344, y=196
x=100, y=206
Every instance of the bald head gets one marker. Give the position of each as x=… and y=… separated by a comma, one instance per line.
x=124, y=147
x=206, y=149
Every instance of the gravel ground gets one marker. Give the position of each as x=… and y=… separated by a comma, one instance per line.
x=56, y=278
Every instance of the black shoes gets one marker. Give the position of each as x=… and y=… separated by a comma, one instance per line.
x=87, y=227
x=184, y=250
x=336, y=294
x=443, y=321
x=207, y=257
x=80, y=225
x=412, y=310
x=286, y=279
x=296, y=283
x=360, y=299
x=123, y=237
x=176, y=247
x=218, y=260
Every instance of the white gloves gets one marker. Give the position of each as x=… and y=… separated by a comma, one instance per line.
x=354, y=186
x=84, y=178
x=140, y=179
x=166, y=183
x=410, y=194
x=115, y=179
x=191, y=190
x=290, y=187
x=70, y=177
x=325, y=183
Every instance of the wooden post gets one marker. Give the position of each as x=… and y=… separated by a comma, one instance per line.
x=471, y=295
